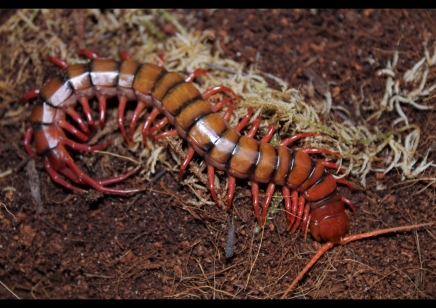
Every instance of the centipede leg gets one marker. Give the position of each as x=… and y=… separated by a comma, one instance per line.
x=71, y=129
x=58, y=62
x=211, y=182
x=319, y=151
x=168, y=133
x=76, y=117
x=287, y=141
x=305, y=221
x=244, y=120
x=294, y=209
x=113, y=180
x=57, y=178
x=230, y=191
x=87, y=111
x=124, y=55
x=286, y=193
x=194, y=74
x=87, y=53
x=350, y=204
x=27, y=140
x=30, y=95
x=84, y=147
x=301, y=202
x=189, y=154
x=102, y=109
x=255, y=196
x=94, y=183
x=150, y=118
x=219, y=89
x=122, y=101
x=135, y=117
x=332, y=165
x=158, y=126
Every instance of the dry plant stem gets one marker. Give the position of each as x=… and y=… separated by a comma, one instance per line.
x=345, y=240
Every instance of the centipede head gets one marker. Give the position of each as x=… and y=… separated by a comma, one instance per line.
x=330, y=222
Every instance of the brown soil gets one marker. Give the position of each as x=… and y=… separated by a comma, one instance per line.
x=156, y=246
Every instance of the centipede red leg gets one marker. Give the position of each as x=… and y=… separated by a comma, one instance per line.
x=87, y=111
x=319, y=151
x=291, y=208
x=70, y=128
x=350, y=204
x=219, y=89
x=122, y=101
x=104, y=182
x=189, y=154
x=150, y=118
x=158, y=126
x=230, y=191
x=102, y=109
x=58, y=62
x=30, y=95
x=76, y=117
x=301, y=202
x=84, y=147
x=211, y=182
x=135, y=117
x=87, y=53
x=57, y=178
x=124, y=55
x=194, y=74
x=84, y=178
x=287, y=141
x=27, y=140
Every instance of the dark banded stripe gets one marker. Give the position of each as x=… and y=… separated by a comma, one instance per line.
x=186, y=104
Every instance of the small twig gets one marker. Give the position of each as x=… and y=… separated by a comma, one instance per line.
x=1, y=203
x=9, y=290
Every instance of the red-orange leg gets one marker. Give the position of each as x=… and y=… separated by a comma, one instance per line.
x=158, y=126
x=135, y=117
x=122, y=101
x=293, y=209
x=286, y=193
x=168, y=133
x=73, y=130
x=150, y=118
x=230, y=191
x=319, y=151
x=244, y=120
x=305, y=222
x=332, y=165
x=194, y=74
x=102, y=109
x=58, y=62
x=113, y=180
x=124, y=55
x=267, y=137
x=268, y=196
x=287, y=141
x=58, y=179
x=27, y=140
x=255, y=196
x=94, y=184
x=189, y=154
x=218, y=89
x=78, y=119
x=30, y=95
x=87, y=110
x=211, y=182
x=301, y=202
x=88, y=53
x=84, y=147
x=350, y=204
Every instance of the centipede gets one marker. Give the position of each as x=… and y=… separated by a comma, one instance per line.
x=312, y=201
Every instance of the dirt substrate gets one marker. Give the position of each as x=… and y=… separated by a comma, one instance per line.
x=157, y=246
